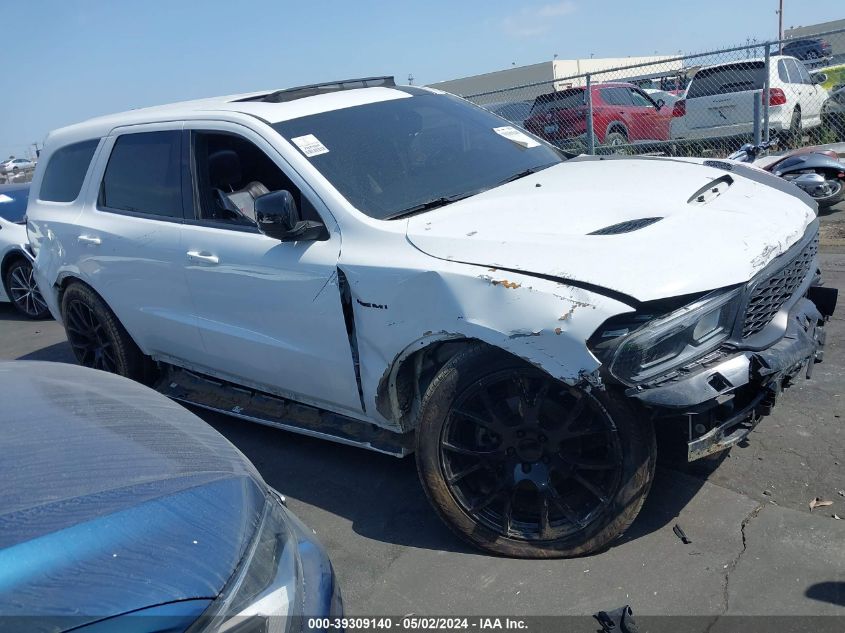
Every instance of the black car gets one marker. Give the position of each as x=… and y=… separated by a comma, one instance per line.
x=122, y=511
x=810, y=49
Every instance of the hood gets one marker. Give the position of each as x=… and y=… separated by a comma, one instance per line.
x=114, y=498
x=646, y=228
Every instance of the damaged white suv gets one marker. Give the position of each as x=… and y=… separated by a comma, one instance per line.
x=396, y=268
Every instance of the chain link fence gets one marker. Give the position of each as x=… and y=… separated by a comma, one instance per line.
x=692, y=105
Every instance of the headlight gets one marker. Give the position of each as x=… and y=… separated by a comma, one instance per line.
x=663, y=343
x=262, y=595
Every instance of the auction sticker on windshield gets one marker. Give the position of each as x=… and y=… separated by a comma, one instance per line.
x=310, y=145
x=512, y=134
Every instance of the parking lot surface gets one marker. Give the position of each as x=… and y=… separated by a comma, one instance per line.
x=756, y=548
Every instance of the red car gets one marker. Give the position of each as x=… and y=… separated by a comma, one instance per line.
x=622, y=114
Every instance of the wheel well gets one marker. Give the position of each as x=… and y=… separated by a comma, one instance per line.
x=403, y=385
x=616, y=126
x=10, y=258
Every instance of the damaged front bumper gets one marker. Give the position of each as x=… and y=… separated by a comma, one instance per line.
x=724, y=400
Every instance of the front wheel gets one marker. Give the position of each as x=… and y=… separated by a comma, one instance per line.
x=520, y=464
x=830, y=194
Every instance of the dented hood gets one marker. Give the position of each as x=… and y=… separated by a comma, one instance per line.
x=705, y=239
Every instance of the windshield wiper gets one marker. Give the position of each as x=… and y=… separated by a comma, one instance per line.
x=524, y=173
x=430, y=204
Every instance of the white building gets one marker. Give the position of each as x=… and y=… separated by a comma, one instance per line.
x=559, y=74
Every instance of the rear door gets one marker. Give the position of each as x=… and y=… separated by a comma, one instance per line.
x=723, y=97
x=811, y=96
x=127, y=240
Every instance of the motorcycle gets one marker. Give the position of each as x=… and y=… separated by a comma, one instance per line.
x=819, y=172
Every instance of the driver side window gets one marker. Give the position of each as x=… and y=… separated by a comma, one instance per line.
x=640, y=100
x=230, y=173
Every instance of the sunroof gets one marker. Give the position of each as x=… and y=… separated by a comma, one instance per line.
x=291, y=94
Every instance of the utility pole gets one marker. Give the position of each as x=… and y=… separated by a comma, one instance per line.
x=780, y=27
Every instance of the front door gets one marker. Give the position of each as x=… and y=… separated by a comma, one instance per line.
x=269, y=312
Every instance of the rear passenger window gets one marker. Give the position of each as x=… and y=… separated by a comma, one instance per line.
x=144, y=174
x=66, y=171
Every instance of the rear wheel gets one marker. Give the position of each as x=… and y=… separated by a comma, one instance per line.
x=98, y=340
x=520, y=464
x=23, y=291
x=617, y=142
x=795, y=134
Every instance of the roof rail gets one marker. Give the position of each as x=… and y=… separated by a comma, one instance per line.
x=300, y=92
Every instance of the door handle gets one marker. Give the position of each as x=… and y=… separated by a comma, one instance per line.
x=89, y=239
x=203, y=256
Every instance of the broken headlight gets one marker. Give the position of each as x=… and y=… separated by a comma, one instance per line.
x=638, y=347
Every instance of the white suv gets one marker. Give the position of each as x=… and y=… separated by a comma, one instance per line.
x=396, y=268
x=719, y=102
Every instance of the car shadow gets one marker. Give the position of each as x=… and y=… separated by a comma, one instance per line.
x=57, y=353
x=381, y=496
x=831, y=591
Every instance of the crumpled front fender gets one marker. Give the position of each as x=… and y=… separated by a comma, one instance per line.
x=544, y=322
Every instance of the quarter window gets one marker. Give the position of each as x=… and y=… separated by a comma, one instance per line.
x=144, y=174
x=66, y=171
x=782, y=74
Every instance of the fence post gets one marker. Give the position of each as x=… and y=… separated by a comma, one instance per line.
x=758, y=100
x=591, y=140
x=766, y=64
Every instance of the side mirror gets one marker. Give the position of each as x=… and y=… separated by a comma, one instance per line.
x=278, y=217
x=819, y=78
x=660, y=103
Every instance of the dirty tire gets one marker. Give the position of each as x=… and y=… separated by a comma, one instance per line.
x=97, y=338
x=22, y=291
x=795, y=135
x=547, y=508
x=614, y=139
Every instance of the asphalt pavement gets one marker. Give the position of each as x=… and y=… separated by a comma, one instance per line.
x=756, y=547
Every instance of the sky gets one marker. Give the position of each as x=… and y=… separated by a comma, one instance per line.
x=70, y=60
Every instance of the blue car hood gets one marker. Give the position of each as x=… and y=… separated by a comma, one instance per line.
x=114, y=498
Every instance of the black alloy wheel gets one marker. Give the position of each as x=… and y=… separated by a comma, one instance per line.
x=521, y=464
x=88, y=337
x=529, y=457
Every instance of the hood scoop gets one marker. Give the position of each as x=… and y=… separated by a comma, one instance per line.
x=626, y=227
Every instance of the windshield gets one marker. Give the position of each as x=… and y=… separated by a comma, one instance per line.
x=13, y=202
x=391, y=157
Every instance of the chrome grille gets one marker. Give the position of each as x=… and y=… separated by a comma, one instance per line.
x=768, y=296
